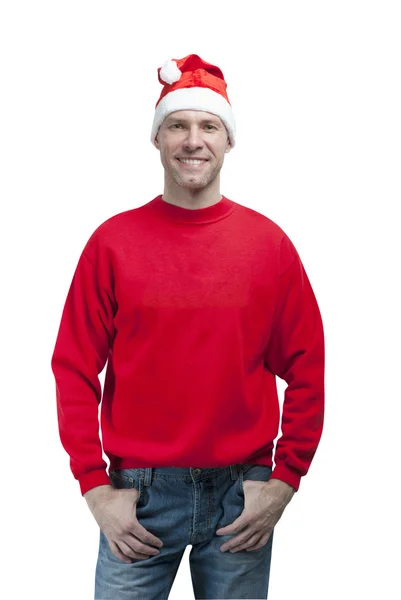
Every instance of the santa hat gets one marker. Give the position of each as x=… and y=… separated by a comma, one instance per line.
x=190, y=83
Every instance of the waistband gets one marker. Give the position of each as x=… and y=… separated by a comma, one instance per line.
x=184, y=473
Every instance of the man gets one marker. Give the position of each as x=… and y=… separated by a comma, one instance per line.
x=197, y=303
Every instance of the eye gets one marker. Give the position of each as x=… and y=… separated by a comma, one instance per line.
x=175, y=125
x=212, y=126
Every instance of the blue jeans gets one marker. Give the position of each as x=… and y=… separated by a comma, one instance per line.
x=185, y=506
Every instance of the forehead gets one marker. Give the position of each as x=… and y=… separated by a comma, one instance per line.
x=192, y=116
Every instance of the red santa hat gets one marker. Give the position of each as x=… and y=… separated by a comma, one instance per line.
x=190, y=83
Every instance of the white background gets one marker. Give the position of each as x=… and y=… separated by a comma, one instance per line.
x=315, y=87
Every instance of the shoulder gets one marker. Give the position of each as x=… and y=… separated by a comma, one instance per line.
x=110, y=233
x=272, y=234
x=260, y=221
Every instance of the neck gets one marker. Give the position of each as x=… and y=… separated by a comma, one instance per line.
x=192, y=198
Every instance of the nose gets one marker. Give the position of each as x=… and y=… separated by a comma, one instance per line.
x=193, y=139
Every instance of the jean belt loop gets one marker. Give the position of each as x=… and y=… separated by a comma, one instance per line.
x=148, y=476
x=234, y=471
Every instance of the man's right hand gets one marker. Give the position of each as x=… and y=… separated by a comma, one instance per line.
x=115, y=513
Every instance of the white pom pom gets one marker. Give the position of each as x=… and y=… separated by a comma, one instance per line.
x=169, y=72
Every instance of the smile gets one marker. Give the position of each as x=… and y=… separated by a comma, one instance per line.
x=192, y=161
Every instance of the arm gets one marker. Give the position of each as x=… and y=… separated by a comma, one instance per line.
x=80, y=354
x=296, y=354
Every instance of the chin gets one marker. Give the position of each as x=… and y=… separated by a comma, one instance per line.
x=195, y=185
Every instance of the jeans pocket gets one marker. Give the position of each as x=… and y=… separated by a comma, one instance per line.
x=127, y=479
x=253, y=472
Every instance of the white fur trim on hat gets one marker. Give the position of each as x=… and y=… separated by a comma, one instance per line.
x=195, y=98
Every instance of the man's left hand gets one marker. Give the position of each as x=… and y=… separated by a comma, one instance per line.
x=265, y=502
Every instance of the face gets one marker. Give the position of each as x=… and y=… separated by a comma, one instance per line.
x=196, y=136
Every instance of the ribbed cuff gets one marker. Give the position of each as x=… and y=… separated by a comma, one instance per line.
x=282, y=472
x=92, y=479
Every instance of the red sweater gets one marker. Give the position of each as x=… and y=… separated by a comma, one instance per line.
x=196, y=312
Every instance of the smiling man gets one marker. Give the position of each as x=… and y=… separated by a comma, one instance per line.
x=192, y=148
x=196, y=303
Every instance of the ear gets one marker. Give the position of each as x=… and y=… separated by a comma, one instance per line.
x=157, y=143
x=228, y=147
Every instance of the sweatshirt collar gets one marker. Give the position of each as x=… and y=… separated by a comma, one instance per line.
x=198, y=215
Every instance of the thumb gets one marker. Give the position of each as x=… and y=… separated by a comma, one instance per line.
x=233, y=527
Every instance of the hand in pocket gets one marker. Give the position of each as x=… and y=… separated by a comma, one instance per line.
x=264, y=505
x=115, y=513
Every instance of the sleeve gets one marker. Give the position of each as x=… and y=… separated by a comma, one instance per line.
x=296, y=354
x=84, y=338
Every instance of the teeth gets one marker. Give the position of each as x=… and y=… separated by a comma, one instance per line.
x=189, y=161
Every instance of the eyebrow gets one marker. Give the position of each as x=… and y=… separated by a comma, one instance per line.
x=178, y=120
